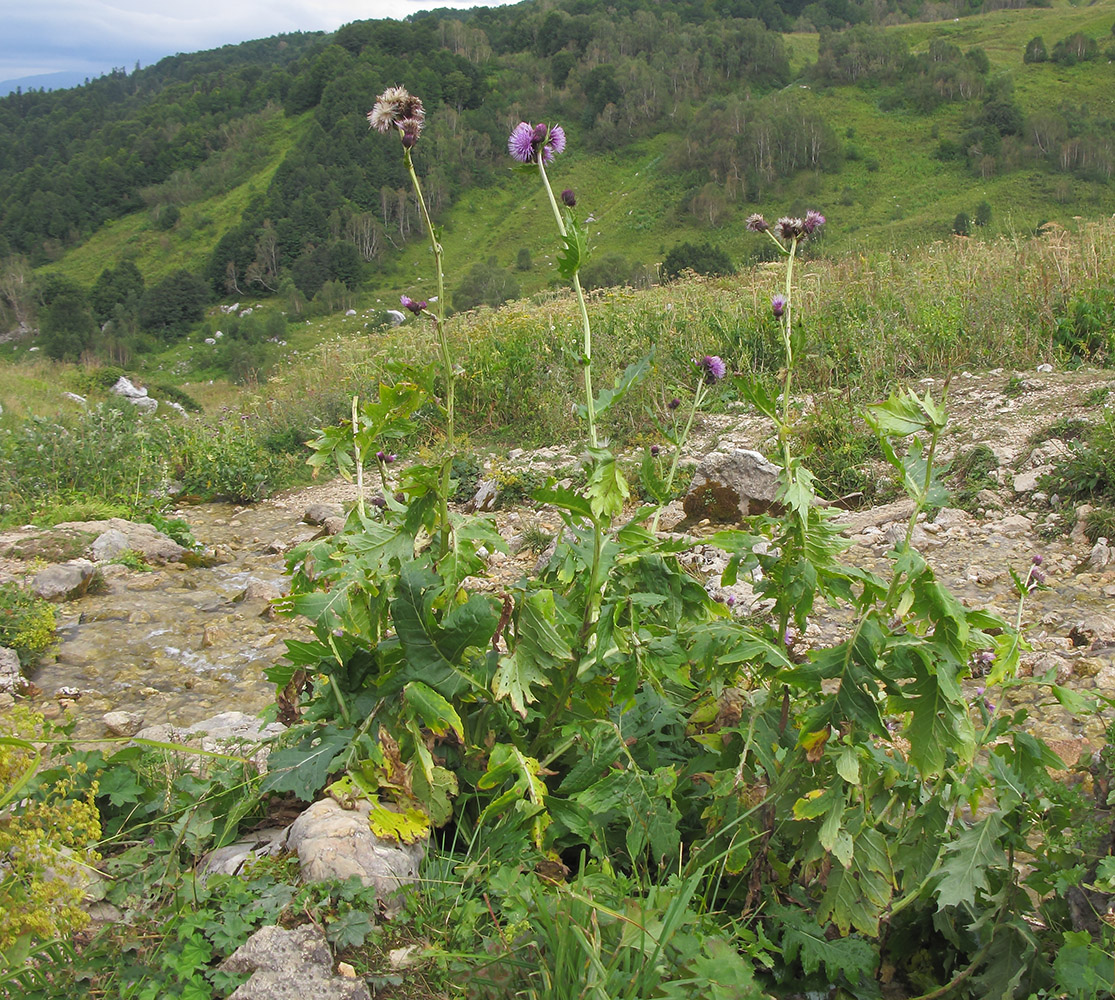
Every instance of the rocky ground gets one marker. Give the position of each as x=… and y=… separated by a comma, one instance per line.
x=176, y=643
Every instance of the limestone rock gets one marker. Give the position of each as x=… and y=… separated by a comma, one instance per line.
x=123, y=723
x=141, y=537
x=290, y=965
x=109, y=544
x=317, y=513
x=731, y=485
x=486, y=496
x=64, y=581
x=230, y=860
x=11, y=677
x=335, y=843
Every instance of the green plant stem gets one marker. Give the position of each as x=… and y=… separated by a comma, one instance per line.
x=697, y=399
x=359, y=458
x=446, y=356
x=586, y=361
x=788, y=347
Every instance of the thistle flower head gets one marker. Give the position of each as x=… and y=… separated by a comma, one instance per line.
x=790, y=229
x=812, y=222
x=654, y=450
x=409, y=303
x=527, y=142
x=673, y=404
x=778, y=305
x=396, y=108
x=568, y=198
x=713, y=368
x=757, y=224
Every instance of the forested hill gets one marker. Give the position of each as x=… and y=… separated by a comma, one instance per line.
x=251, y=167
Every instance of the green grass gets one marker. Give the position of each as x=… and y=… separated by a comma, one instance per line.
x=158, y=254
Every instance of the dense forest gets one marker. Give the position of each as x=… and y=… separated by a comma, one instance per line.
x=712, y=75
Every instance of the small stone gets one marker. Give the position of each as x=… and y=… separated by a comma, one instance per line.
x=123, y=723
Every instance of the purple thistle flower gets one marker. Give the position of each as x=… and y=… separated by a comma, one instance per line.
x=1037, y=559
x=527, y=141
x=1037, y=576
x=673, y=404
x=713, y=368
x=778, y=305
x=381, y=455
x=568, y=198
x=521, y=143
x=789, y=229
x=812, y=222
x=730, y=601
x=654, y=450
x=409, y=303
x=757, y=224
x=379, y=501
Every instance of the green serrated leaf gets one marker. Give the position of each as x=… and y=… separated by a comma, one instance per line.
x=303, y=769
x=607, y=489
x=436, y=651
x=575, y=253
x=963, y=874
x=538, y=648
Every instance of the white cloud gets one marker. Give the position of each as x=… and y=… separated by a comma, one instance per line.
x=93, y=36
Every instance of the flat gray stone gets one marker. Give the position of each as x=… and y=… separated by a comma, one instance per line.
x=64, y=581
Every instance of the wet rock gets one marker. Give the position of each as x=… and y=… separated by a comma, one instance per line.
x=333, y=525
x=290, y=965
x=143, y=538
x=261, y=590
x=64, y=581
x=336, y=843
x=228, y=732
x=123, y=723
x=317, y=513
x=728, y=486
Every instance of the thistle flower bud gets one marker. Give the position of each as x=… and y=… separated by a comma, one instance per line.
x=568, y=198
x=778, y=305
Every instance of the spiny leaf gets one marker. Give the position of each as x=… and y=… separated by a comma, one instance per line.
x=967, y=861
x=539, y=647
x=573, y=257
x=607, y=488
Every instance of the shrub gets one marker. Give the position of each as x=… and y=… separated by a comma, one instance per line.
x=46, y=838
x=962, y=225
x=703, y=259
x=26, y=623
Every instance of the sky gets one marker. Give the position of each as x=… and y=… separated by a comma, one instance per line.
x=91, y=37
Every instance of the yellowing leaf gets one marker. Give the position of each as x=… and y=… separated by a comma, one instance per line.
x=406, y=827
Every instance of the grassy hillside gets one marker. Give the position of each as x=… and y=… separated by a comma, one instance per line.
x=894, y=193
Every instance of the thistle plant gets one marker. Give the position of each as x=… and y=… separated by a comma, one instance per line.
x=537, y=145
x=400, y=112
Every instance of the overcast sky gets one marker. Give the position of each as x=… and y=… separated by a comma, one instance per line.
x=91, y=37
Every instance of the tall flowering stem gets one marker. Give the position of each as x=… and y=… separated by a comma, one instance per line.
x=539, y=145
x=398, y=111
x=443, y=347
